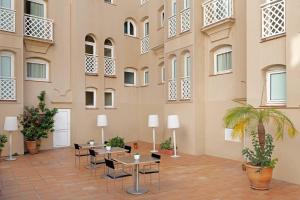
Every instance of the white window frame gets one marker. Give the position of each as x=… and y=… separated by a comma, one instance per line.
x=128, y=21
x=12, y=5
x=162, y=18
x=186, y=4
x=268, y=79
x=93, y=44
x=223, y=50
x=112, y=96
x=94, y=91
x=38, y=61
x=145, y=28
x=130, y=70
x=146, y=71
x=12, y=63
x=111, y=48
x=174, y=68
x=187, y=65
x=43, y=3
x=163, y=74
x=174, y=7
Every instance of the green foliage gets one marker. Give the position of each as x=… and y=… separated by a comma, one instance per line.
x=167, y=144
x=37, y=122
x=3, y=140
x=260, y=157
x=116, y=142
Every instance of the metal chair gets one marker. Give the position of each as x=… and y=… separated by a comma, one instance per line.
x=79, y=153
x=113, y=173
x=152, y=168
x=94, y=162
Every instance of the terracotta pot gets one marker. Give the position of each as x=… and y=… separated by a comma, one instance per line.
x=166, y=152
x=259, y=178
x=31, y=146
x=135, y=145
x=0, y=153
x=38, y=144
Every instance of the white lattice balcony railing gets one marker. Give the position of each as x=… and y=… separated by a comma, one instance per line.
x=7, y=89
x=216, y=10
x=38, y=27
x=91, y=64
x=172, y=90
x=186, y=88
x=273, y=18
x=109, y=66
x=145, y=45
x=7, y=20
x=185, y=20
x=144, y=1
x=172, y=26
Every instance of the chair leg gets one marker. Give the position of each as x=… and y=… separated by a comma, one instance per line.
x=158, y=181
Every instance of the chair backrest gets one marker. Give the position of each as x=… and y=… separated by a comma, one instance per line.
x=154, y=155
x=127, y=148
x=92, y=152
x=77, y=147
x=109, y=163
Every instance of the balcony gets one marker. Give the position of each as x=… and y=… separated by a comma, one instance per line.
x=91, y=64
x=38, y=28
x=216, y=10
x=273, y=18
x=172, y=90
x=145, y=45
x=172, y=26
x=185, y=20
x=7, y=20
x=186, y=88
x=109, y=66
x=7, y=89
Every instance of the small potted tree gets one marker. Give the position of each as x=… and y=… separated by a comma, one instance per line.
x=116, y=142
x=260, y=163
x=166, y=147
x=3, y=140
x=37, y=123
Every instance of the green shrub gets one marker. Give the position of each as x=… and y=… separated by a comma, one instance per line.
x=3, y=140
x=116, y=142
x=167, y=144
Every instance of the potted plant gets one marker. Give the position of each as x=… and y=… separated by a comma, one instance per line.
x=116, y=142
x=3, y=140
x=37, y=123
x=136, y=156
x=166, y=147
x=260, y=166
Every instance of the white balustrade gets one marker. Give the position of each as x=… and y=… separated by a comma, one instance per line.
x=273, y=18
x=145, y=45
x=7, y=89
x=186, y=88
x=109, y=66
x=185, y=20
x=216, y=10
x=7, y=20
x=172, y=26
x=38, y=27
x=172, y=90
x=91, y=64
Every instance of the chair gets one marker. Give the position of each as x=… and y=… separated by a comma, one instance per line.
x=79, y=153
x=152, y=168
x=113, y=173
x=127, y=147
x=93, y=160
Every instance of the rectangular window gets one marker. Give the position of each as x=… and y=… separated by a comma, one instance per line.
x=90, y=98
x=5, y=4
x=146, y=29
x=108, y=1
x=187, y=69
x=34, y=8
x=109, y=99
x=146, y=77
x=276, y=87
x=223, y=62
x=5, y=67
x=174, y=7
x=129, y=78
x=37, y=71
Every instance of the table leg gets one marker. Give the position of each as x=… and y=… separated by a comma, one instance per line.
x=136, y=189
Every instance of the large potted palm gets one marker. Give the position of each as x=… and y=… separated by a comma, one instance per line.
x=260, y=163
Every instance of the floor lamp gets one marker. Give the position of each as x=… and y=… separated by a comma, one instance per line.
x=173, y=123
x=153, y=122
x=102, y=122
x=10, y=125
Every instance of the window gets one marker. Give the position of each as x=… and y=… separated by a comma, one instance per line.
x=146, y=76
x=108, y=48
x=90, y=45
x=109, y=96
x=162, y=18
x=37, y=70
x=223, y=60
x=187, y=65
x=146, y=28
x=6, y=65
x=174, y=7
x=174, y=68
x=186, y=4
x=130, y=77
x=36, y=8
x=163, y=74
x=90, y=98
x=276, y=87
x=129, y=28
x=6, y=4
x=108, y=1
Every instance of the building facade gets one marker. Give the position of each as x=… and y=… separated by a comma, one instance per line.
x=131, y=58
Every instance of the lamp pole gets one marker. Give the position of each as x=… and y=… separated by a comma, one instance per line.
x=102, y=135
x=10, y=158
x=175, y=146
x=154, y=139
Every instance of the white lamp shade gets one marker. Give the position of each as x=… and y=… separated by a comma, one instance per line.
x=153, y=121
x=101, y=120
x=11, y=124
x=173, y=122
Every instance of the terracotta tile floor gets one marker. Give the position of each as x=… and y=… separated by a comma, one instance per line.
x=52, y=175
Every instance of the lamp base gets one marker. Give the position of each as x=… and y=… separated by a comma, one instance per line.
x=10, y=159
x=175, y=156
x=153, y=151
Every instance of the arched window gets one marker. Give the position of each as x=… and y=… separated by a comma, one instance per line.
x=129, y=28
x=35, y=8
x=6, y=64
x=187, y=65
x=174, y=7
x=276, y=85
x=9, y=4
x=90, y=45
x=174, y=68
x=108, y=48
x=223, y=60
x=37, y=70
x=146, y=28
x=109, y=98
x=130, y=77
x=90, y=98
x=146, y=80
x=162, y=18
